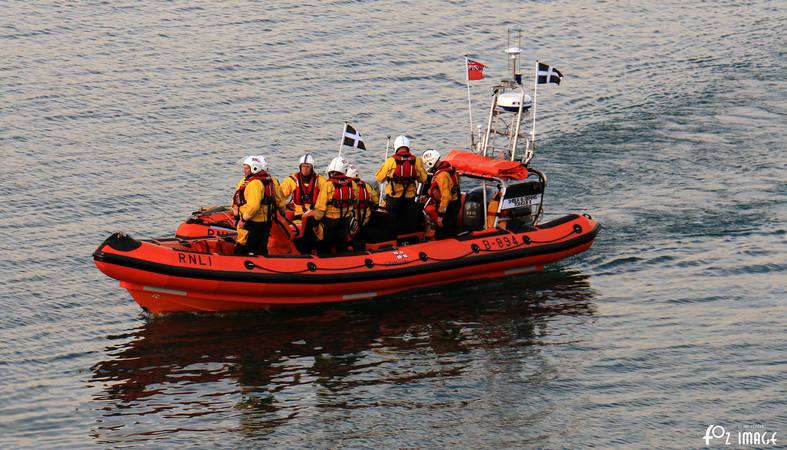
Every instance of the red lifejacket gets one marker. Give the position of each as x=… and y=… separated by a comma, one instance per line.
x=343, y=196
x=305, y=192
x=268, y=189
x=405, y=172
x=364, y=200
x=434, y=189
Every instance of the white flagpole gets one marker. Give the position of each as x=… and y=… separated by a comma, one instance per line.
x=387, y=146
x=469, y=103
x=341, y=140
x=382, y=185
x=535, y=99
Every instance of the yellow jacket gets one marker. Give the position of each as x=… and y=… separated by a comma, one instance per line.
x=373, y=197
x=253, y=210
x=323, y=208
x=444, y=182
x=386, y=172
x=288, y=187
x=491, y=213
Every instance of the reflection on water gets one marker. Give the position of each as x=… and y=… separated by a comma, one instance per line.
x=259, y=371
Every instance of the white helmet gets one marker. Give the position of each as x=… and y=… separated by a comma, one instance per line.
x=306, y=159
x=255, y=163
x=339, y=165
x=352, y=171
x=430, y=158
x=263, y=162
x=401, y=141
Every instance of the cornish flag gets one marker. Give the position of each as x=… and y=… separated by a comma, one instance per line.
x=548, y=74
x=353, y=137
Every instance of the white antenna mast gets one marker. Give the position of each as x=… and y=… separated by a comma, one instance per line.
x=508, y=108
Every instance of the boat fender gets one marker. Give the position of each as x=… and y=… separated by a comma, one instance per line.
x=526, y=239
x=475, y=248
x=311, y=266
x=577, y=228
x=423, y=257
x=249, y=264
x=369, y=263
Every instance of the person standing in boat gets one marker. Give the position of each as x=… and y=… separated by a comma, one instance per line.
x=366, y=200
x=402, y=172
x=302, y=187
x=444, y=195
x=334, y=209
x=257, y=198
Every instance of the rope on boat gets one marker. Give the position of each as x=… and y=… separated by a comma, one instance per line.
x=422, y=257
x=577, y=229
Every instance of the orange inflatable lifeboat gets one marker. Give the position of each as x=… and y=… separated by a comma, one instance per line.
x=197, y=272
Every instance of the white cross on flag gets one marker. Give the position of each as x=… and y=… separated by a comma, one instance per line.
x=352, y=137
x=548, y=74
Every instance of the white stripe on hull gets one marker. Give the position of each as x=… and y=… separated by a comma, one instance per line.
x=163, y=291
x=359, y=295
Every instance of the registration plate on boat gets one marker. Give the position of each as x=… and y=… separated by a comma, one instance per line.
x=518, y=202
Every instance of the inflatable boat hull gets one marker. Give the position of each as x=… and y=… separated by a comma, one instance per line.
x=166, y=277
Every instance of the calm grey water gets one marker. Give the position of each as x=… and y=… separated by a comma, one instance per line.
x=669, y=128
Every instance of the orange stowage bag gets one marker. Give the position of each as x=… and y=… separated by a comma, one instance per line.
x=479, y=165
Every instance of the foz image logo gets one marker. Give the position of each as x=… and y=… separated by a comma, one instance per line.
x=758, y=438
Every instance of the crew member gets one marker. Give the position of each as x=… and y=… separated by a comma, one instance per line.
x=334, y=208
x=444, y=200
x=366, y=200
x=302, y=187
x=402, y=172
x=256, y=199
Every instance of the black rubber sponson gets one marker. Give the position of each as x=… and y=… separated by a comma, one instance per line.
x=122, y=242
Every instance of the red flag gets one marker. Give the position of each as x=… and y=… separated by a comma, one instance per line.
x=475, y=70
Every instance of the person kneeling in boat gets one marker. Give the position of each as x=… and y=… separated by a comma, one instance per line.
x=256, y=199
x=366, y=200
x=444, y=202
x=333, y=211
x=402, y=172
